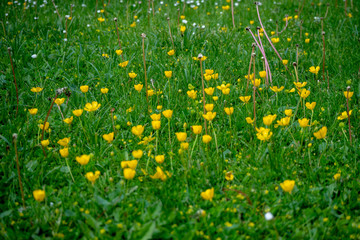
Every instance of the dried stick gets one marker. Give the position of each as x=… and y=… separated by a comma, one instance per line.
x=254, y=90
x=117, y=31
x=16, y=88
x=248, y=77
x=47, y=116
x=56, y=9
x=232, y=13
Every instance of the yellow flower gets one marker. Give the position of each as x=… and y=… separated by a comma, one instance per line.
x=275, y=40
x=263, y=134
x=138, y=87
x=150, y=92
x=33, y=111
x=251, y=22
x=229, y=176
x=171, y=52
x=227, y=7
x=83, y=159
x=123, y=64
x=250, y=77
x=192, y=94
x=303, y=122
x=207, y=77
x=90, y=107
x=45, y=143
x=159, y=158
x=287, y=185
x=104, y=90
x=41, y=126
x=209, y=116
x=184, y=145
x=156, y=125
x=181, y=136
x=209, y=71
x=307, y=40
x=78, y=112
x=209, y=107
x=288, y=39
x=133, y=25
x=129, y=164
x=69, y=120
x=208, y=194
x=310, y=106
x=300, y=84
x=314, y=70
x=285, y=62
x=262, y=74
x=39, y=195
x=132, y=75
x=92, y=177
x=197, y=129
x=283, y=122
x=276, y=89
x=209, y=91
x=304, y=93
x=64, y=152
x=137, y=153
x=229, y=111
x=59, y=101
x=245, y=99
x=215, y=98
x=168, y=74
x=84, y=88
x=206, y=139
x=36, y=89
x=321, y=133
x=167, y=113
x=249, y=120
x=137, y=130
x=344, y=115
x=155, y=117
x=348, y=94
x=182, y=29
x=64, y=142
x=288, y=112
x=100, y=19
x=337, y=176
x=129, y=173
x=269, y=119
x=109, y=137
x=160, y=174
x=257, y=82
x=119, y=52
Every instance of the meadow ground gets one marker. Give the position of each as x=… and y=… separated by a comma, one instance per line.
x=173, y=123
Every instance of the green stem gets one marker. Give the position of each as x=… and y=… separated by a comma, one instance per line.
x=67, y=164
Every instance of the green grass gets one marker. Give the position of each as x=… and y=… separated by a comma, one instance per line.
x=319, y=207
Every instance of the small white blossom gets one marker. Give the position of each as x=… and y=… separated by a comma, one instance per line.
x=34, y=56
x=269, y=216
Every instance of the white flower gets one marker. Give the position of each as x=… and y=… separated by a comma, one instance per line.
x=269, y=216
x=65, y=39
x=67, y=16
x=64, y=31
x=184, y=21
x=203, y=26
x=83, y=5
x=88, y=25
x=34, y=56
x=98, y=11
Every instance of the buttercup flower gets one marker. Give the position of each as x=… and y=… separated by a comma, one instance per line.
x=229, y=111
x=118, y=52
x=348, y=94
x=129, y=173
x=288, y=112
x=45, y=143
x=344, y=115
x=137, y=130
x=132, y=75
x=192, y=94
x=209, y=116
x=321, y=133
x=209, y=107
x=109, y=137
x=276, y=89
x=285, y=62
x=171, y=52
x=167, y=113
x=59, y=101
x=304, y=93
x=197, y=129
x=181, y=136
x=84, y=88
x=168, y=74
x=78, y=112
x=64, y=152
x=156, y=125
x=269, y=119
x=310, y=106
x=39, y=195
x=41, y=126
x=249, y=120
x=138, y=87
x=90, y=107
x=184, y=145
x=104, y=90
x=300, y=84
x=229, y=176
x=36, y=89
x=209, y=91
x=33, y=111
x=304, y=122
x=123, y=64
x=155, y=117
x=92, y=177
x=245, y=99
x=314, y=70
x=160, y=158
x=263, y=134
x=137, y=153
x=69, y=120
x=283, y=122
x=64, y=142
x=129, y=164
x=208, y=194
x=206, y=139
x=160, y=174
x=337, y=176
x=287, y=185
x=83, y=159
x=262, y=74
